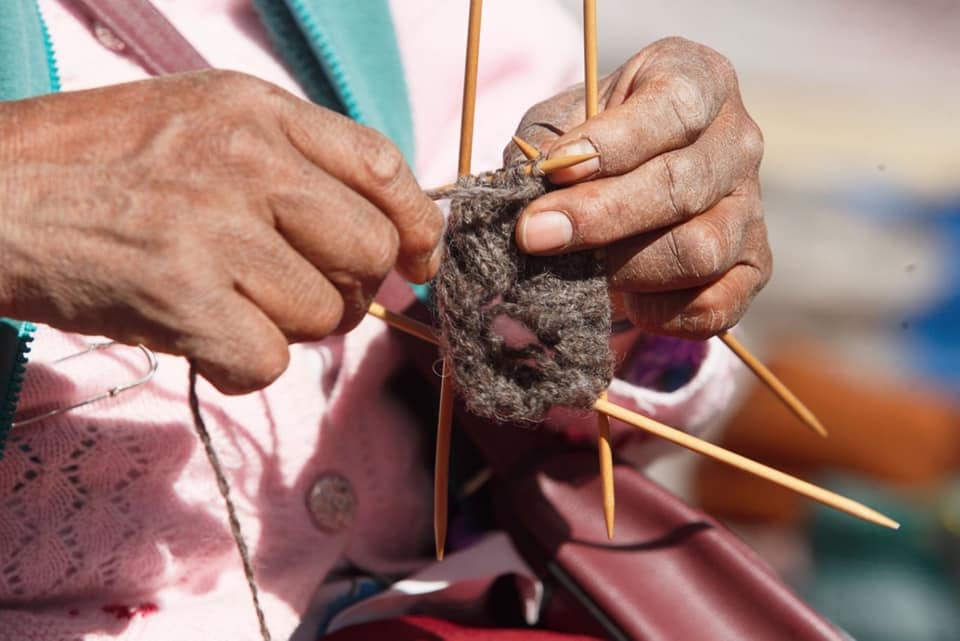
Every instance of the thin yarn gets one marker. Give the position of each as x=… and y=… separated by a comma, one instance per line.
x=561, y=300
x=201, y=428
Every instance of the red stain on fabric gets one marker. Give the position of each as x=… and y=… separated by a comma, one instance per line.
x=127, y=612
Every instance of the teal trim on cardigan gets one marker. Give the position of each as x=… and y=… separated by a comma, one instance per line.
x=15, y=338
x=27, y=68
x=289, y=40
x=356, y=48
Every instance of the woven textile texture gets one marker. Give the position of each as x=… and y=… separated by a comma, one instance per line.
x=524, y=333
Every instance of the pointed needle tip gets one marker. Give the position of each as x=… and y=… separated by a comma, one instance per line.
x=531, y=152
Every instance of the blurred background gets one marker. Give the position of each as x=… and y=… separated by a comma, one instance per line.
x=859, y=101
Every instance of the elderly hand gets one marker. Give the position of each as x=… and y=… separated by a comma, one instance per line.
x=210, y=215
x=673, y=200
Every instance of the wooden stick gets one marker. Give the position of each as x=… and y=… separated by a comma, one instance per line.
x=718, y=453
x=442, y=461
x=590, y=57
x=551, y=165
x=441, y=467
x=531, y=152
x=605, y=454
x=775, y=384
x=592, y=101
x=547, y=166
x=469, y=88
x=683, y=439
x=401, y=322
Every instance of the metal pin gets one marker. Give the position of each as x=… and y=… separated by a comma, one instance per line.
x=152, y=365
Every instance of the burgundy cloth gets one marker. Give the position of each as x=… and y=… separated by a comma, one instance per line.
x=418, y=628
x=146, y=33
x=671, y=572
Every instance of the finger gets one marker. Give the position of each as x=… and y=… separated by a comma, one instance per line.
x=343, y=236
x=546, y=121
x=245, y=353
x=662, y=99
x=662, y=192
x=662, y=115
x=700, y=312
x=293, y=293
x=693, y=253
x=369, y=163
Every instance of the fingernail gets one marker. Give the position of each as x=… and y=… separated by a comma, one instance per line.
x=545, y=231
x=579, y=171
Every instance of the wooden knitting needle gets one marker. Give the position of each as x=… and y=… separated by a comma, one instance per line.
x=741, y=462
x=445, y=418
x=590, y=57
x=775, y=384
x=592, y=101
x=605, y=453
x=547, y=166
x=551, y=165
x=704, y=448
x=531, y=152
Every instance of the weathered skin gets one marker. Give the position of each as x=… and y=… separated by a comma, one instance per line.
x=674, y=198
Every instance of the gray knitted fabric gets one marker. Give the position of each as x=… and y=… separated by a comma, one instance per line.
x=562, y=300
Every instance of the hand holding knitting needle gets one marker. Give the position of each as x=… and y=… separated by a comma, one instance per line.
x=210, y=215
x=673, y=199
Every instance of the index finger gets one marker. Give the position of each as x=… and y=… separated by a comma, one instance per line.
x=370, y=164
x=663, y=113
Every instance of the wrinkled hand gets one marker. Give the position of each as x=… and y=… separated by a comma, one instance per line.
x=674, y=198
x=210, y=215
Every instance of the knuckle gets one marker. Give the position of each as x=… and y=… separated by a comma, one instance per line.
x=270, y=362
x=426, y=234
x=705, y=320
x=383, y=162
x=686, y=175
x=752, y=141
x=722, y=66
x=700, y=251
x=688, y=105
x=763, y=269
x=378, y=254
x=328, y=316
x=237, y=84
x=236, y=144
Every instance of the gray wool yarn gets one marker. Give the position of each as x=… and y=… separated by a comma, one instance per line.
x=561, y=300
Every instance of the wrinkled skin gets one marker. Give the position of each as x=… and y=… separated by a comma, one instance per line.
x=673, y=201
x=210, y=215
x=215, y=216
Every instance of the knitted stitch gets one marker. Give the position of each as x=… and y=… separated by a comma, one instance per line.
x=561, y=300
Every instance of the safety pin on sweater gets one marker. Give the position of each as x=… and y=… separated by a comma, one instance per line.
x=152, y=366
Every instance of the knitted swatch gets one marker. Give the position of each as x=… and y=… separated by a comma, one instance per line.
x=561, y=300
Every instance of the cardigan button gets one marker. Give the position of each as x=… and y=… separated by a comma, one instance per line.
x=331, y=503
x=108, y=38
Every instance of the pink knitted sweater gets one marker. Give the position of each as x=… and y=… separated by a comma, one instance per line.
x=111, y=526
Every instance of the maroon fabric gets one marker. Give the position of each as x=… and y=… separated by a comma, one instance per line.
x=416, y=628
x=148, y=35
x=671, y=572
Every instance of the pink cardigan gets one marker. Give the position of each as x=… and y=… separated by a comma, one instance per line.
x=111, y=526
